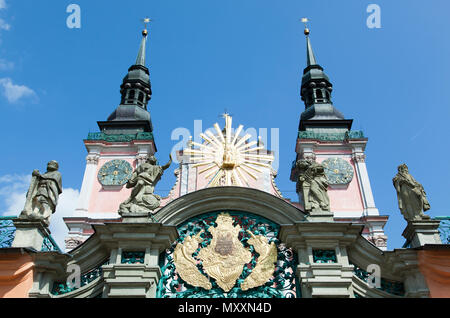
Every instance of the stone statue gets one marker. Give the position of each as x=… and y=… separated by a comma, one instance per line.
x=412, y=199
x=143, y=182
x=43, y=194
x=313, y=185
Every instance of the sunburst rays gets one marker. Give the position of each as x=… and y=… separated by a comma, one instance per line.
x=226, y=159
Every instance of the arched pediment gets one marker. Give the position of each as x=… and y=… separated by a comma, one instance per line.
x=229, y=198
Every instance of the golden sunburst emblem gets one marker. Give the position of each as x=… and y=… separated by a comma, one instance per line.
x=227, y=159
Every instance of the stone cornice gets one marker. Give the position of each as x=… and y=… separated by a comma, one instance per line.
x=136, y=235
x=320, y=234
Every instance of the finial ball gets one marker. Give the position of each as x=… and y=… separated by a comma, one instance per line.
x=306, y=31
x=145, y=33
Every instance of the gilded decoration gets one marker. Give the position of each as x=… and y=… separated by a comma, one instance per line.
x=228, y=159
x=187, y=265
x=225, y=257
x=228, y=255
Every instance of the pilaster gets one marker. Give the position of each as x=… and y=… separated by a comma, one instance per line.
x=133, y=270
x=359, y=159
x=324, y=269
x=88, y=180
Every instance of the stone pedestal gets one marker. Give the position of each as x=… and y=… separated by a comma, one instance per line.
x=325, y=280
x=133, y=270
x=136, y=217
x=324, y=216
x=30, y=234
x=422, y=232
x=323, y=264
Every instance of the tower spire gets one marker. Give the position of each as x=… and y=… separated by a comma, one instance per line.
x=132, y=115
x=140, y=60
x=316, y=89
x=311, y=59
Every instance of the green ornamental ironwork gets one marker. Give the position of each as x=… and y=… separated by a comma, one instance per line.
x=49, y=245
x=133, y=257
x=7, y=231
x=61, y=288
x=283, y=284
x=324, y=256
x=120, y=137
x=444, y=228
x=353, y=134
x=388, y=286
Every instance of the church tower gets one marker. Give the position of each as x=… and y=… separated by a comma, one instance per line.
x=124, y=141
x=326, y=137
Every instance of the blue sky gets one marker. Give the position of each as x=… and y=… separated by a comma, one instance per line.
x=245, y=56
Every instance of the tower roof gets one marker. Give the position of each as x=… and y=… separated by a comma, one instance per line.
x=132, y=116
x=316, y=92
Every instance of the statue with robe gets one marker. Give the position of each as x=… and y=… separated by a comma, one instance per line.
x=143, y=182
x=412, y=199
x=43, y=193
x=313, y=184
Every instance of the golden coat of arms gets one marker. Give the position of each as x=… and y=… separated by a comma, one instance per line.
x=225, y=257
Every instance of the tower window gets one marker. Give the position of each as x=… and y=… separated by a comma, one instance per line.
x=319, y=93
x=131, y=95
x=141, y=98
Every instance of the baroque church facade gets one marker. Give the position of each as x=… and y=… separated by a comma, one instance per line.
x=225, y=230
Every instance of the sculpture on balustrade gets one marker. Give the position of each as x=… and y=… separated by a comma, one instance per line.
x=43, y=193
x=143, y=182
x=312, y=183
x=412, y=199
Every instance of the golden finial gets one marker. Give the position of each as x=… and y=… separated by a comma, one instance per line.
x=305, y=21
x=145, y=21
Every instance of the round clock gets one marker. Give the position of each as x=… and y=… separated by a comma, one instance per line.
x=338, y=171
x=115, y=173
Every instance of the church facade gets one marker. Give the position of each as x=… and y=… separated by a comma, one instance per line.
x=225, y=230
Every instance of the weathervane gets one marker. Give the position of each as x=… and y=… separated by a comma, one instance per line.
x=305, y=21
x=146, y=21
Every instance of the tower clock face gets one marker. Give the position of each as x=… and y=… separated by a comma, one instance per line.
x=115, y=173
x=338, y=171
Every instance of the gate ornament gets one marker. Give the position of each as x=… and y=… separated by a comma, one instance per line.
x=224, y=259
x=187, y=265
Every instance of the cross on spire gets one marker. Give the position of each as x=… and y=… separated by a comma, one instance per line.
x=226, y=114
x=305, y=21
x=146, y=21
